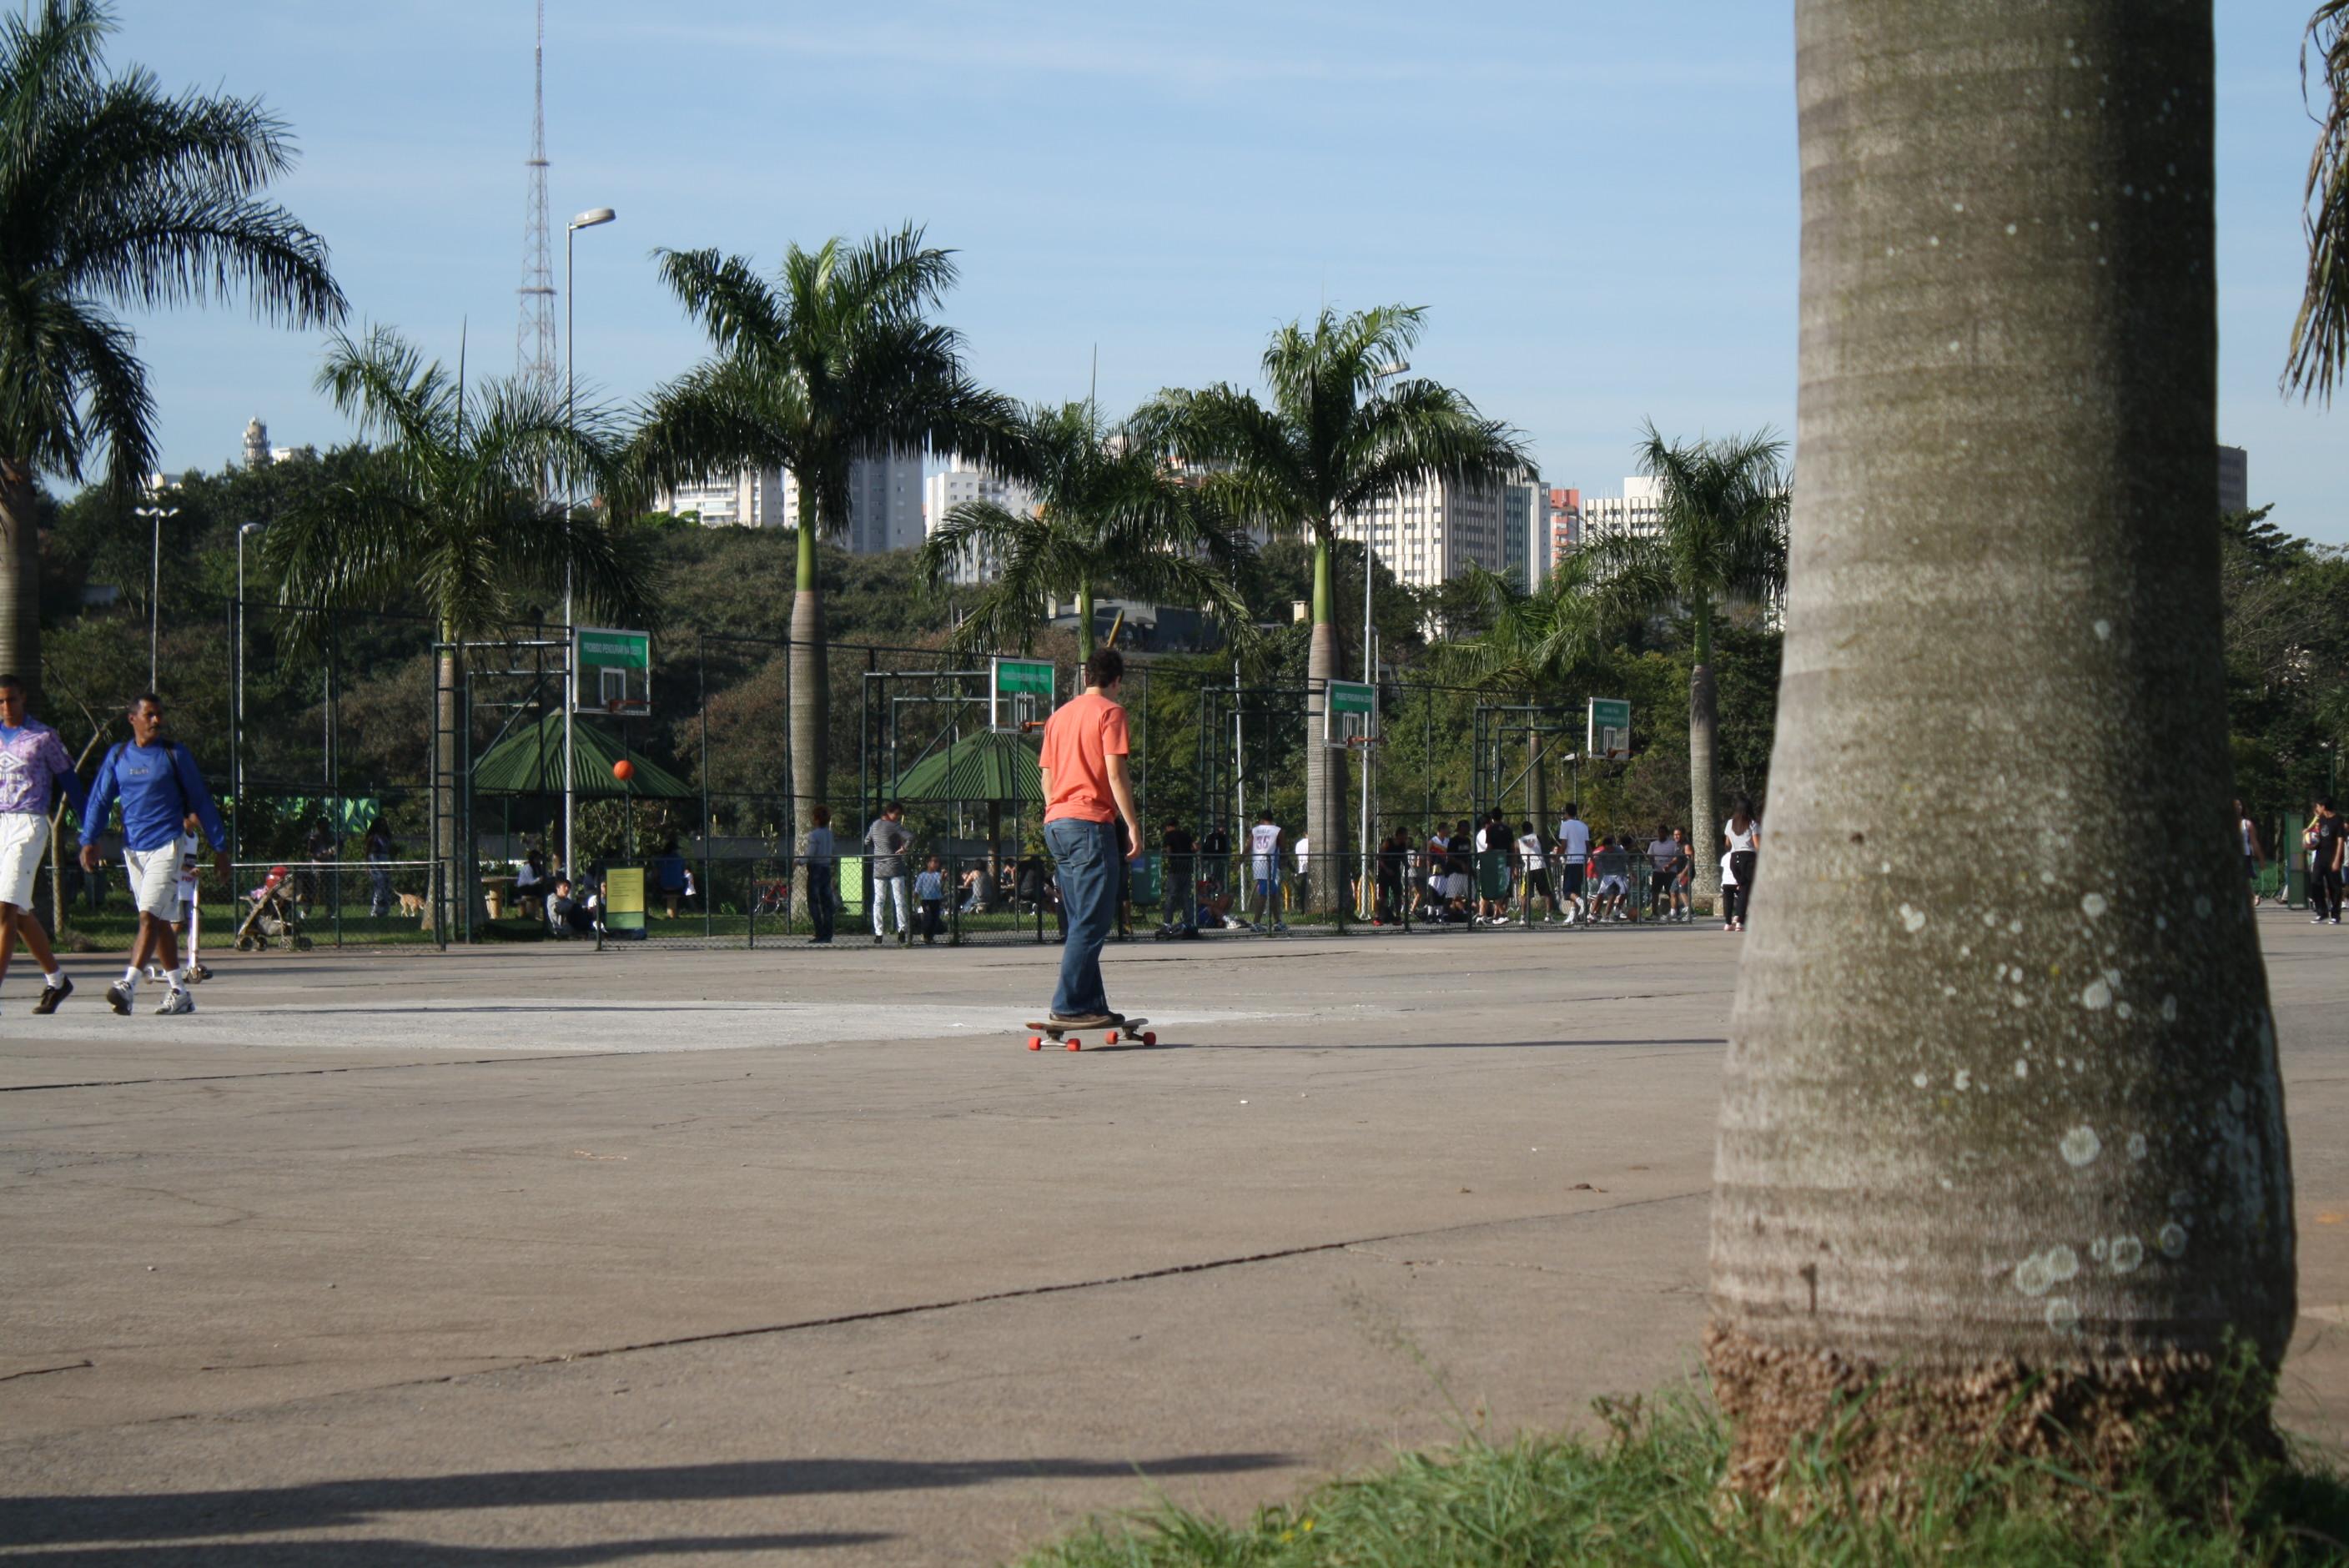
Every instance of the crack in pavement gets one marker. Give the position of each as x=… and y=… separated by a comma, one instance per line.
x=912, y=1309
x=324, y=1072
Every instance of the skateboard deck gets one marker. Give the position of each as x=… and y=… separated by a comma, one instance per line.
x=1132, y=1030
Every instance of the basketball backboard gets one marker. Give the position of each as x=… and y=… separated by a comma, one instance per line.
x=1350, y=713
x=611, y=671
x=1018, y=694
x=1610, y=729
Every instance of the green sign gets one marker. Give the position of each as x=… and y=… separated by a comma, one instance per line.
x=1029, y=678
x=619, y=650
x=1610, y=727
x=1354, y=696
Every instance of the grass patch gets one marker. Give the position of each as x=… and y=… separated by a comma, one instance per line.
x=1648, y=1493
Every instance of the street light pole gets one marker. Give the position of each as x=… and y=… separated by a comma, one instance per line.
x=1383, y=374
x=155, y=583
x=236, y=717
x=587, y=220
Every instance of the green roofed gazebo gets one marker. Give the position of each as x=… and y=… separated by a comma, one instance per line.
x=995, y=768
x=990, y=767
x=530, y=763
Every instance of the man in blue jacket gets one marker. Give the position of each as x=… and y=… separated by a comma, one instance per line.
x=158, y=785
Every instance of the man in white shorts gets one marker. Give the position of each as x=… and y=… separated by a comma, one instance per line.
x=1574, y=859
x=159, y=787
x=191, y=886
x=33, y=767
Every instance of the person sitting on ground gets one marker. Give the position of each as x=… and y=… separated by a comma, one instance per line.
x=930, y=892
x=1214, y=906
x=972, y=886
x=567, y=915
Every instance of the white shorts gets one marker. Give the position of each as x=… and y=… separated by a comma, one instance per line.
x=155, y=881
x=1455, y=884
x=24, y=839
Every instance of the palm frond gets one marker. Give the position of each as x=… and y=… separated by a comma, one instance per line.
x=2320, y=332
x=726, y=296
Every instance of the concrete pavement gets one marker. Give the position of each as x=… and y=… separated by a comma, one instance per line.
x=553, y=1257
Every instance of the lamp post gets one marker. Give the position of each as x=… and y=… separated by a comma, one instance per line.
x=154, y=584
x=590, y=218
x=1379, y=377
x=236, y=718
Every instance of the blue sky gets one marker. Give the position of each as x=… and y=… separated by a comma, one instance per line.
x=1596, y=202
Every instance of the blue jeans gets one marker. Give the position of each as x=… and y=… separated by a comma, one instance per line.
x=1086, y=853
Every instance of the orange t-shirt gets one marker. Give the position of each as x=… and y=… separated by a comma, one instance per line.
x=1078, y=741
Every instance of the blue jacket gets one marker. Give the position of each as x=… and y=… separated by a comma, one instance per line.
x=158, y=785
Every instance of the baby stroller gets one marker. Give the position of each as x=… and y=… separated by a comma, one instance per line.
x=273, y=917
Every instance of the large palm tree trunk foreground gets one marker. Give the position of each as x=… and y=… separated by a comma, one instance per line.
x=1325, y=771
x=2002, y=1097
x=1704, y=795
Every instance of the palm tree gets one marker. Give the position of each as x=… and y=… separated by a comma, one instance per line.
x=116, y=196
x=834, y=362
x=1108, y=514
x=452, y=512
x=2001, y=1151
x=1550, y=640
x=1331, y=445
x=1720, y=536
x=2319, y=334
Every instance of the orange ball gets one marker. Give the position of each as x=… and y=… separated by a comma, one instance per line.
x=624, y=769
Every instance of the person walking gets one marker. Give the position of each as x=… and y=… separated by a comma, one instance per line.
x=2254, y=861
x=33, y=769
x=158, y=785
x=930, y=895
x=888, y=840
x=1742, y=836
x=820, y=856
x=2329, y=840
x=1574, y=859
x=1086, y=789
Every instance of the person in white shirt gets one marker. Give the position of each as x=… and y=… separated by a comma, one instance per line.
x=1304, y=865
x=1264, y=865
x=1742, y=836
x=2254, y=861
x=1574, y=859
x=1535, y=863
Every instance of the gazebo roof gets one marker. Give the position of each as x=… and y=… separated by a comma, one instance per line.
x=983, y=766
x=530, y=763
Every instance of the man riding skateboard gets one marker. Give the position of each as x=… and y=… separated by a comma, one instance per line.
x=1086, y=792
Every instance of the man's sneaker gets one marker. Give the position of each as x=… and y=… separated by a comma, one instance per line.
x=177, y=1001
x=53, y=995
x=1082, y=1020
x=117, y=998
x=876, y=939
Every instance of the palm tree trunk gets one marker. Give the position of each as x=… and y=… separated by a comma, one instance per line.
x=811, y=695
x=20, y=578
x=447, y=846
x=1325, y=771
x=1705, y=803
x=2000, y=1101
x=1085, y=629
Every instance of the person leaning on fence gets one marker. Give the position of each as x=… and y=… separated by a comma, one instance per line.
x=821, y=859
x=887, y=839
x=158, y=784
x=1086, y=789
x=1178, y=854
x=930, y=893
x=34, y=771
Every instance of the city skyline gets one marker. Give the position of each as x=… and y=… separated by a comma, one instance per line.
x=1131, y=182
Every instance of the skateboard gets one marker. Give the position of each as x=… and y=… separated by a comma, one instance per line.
x=1131, y=1030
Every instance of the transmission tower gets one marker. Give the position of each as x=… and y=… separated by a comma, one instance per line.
x=534, y=335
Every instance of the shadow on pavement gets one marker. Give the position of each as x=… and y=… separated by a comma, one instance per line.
x=363, y=1553
x=196, y=1516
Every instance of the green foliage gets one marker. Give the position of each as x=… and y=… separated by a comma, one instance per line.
x=2287, y=637
x=1648, y=1493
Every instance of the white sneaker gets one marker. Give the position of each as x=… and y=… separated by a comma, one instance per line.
x=177, y=1001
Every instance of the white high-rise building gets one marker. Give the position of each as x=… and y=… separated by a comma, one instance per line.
x=1637, y=511
x=884, y=501
x=1527, y=507
x=964, y=480
x=1431, y=532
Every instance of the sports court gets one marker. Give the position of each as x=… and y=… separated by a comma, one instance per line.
x=546, y=1255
